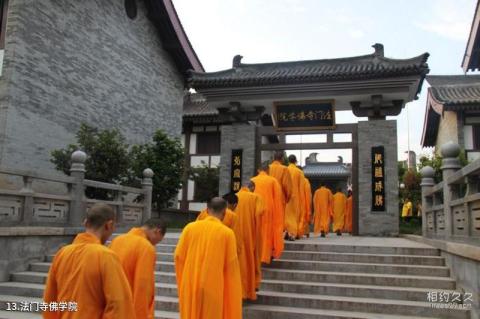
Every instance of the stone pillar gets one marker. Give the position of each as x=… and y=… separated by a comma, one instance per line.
x=370, y=134
x=450, y=164
x=27, y=192
x=237, y=136
x=147, y=186
x=77, y=171
x=427, y=183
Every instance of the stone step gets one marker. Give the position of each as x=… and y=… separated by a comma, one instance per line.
x=164, y=289
x=364, y=258
x=165, y=257
x=41, y=277
x=165, y=277
x=36, y=290
x=371, y=308
x=161, y=248
x=440, y=271
x=369, y=305
x=30, y=277
x=253, y=311
x=359, y=278
x=338, y=248
x=5, y=299
x=166, y=315
x=349, y=290
x=19, y=315
x=45, y=266
x=22, y=289
x=166, y=303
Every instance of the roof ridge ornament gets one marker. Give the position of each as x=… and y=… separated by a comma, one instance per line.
x=237, y=61
x=379, y=51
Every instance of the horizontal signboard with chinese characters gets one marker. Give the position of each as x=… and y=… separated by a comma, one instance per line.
x=306, y=115
x=378, y=179
x=236, y=171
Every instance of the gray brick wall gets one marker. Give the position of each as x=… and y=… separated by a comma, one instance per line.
x=378, y=133
x=237, y=136
x=68, y=62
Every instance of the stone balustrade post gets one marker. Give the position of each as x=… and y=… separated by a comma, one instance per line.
x=147, y=186
x=427, y=183
x=27, y=192
x=78, y=204
x=450, y=164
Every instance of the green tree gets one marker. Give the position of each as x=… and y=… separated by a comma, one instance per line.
x=165, y=156
x=107, y=158
x=208, y=178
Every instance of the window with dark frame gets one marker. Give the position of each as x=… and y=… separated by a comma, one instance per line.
x=208, y=143
x=476, y=136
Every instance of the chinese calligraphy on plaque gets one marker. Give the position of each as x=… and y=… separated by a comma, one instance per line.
x=304, y=115
x=236, y=170
x=378, y=178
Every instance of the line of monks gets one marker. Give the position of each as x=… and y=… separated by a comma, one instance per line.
x=217, y=259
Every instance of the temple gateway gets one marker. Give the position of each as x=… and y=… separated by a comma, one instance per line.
x=249, y=111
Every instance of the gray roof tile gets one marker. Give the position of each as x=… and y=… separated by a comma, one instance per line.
x=353, y=68
x=453, y=90
x=326, y=170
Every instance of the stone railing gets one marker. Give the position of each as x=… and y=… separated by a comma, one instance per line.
x=26, y=207
x=451, y=209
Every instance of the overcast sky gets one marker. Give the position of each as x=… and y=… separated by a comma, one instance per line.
x=288, y=30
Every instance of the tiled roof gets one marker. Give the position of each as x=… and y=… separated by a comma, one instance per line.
x=370, y=66
x=326, y=170
x=451, y=90
x=195, y=105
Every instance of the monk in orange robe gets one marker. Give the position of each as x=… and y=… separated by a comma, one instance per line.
x=258, y=242
x=348, y=228
x=339, y=205
x=305, y=227
x=136, y=250
x=248, y=215
x=323, y=209
x=207, y=268
x=230, y=219
x=90, y=274
x=280, y=172
x=296, y=206
x=273, y=217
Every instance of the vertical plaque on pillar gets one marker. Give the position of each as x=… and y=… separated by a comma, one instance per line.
x=378, y=178
x=236, y=170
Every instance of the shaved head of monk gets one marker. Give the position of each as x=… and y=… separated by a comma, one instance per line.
x=279, y=156
x=155, y=229
x=217, y=207
x=232, y=200
x=265, y=167
x=100, y=221
x=292, y=159
x=251, y=186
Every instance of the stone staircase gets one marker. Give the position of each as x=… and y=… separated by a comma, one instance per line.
x=336, y=277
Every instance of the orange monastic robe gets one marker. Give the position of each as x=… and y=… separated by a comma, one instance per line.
x=90, y=274
x=339, y=205
x=280, y=172
x=137, y=256
x=258, y=243
x=208, y=273
x=229, y=220
x=248, y=215
x=273, y=217
x=295, y=207
x=322, y=204
x=348, y=215
x=305, y=227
